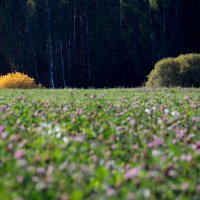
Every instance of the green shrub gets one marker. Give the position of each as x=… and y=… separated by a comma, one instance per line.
x=172, y=72
x=165, y=74
x=189, y=70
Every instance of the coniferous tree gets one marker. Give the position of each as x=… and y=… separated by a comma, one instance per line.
x=90, y=43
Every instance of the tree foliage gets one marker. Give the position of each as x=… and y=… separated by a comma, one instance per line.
x=182, y=71
x=17, y=80
x=88, y=43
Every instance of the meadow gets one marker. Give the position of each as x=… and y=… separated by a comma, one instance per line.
x=116, y=144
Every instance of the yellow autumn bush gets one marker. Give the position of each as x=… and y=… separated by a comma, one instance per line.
x=17, y=80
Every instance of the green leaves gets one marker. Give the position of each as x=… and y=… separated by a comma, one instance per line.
x=98, y=145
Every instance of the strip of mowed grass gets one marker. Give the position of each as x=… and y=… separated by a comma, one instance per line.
x=100, y=144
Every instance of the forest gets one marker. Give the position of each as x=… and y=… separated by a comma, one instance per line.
x=94, y=43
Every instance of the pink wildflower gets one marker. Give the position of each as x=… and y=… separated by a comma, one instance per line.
x=2, y=109
x=15, y=138
x=19, y=154
x=164, y=117
x=111, y=192
x=79, y=139
x=131, y=173
x=197, y=145
x=95, y=158
x=40, y=170
x=132, y=122
x=20, y=179
x=133, y=106
x=193, y=106
x=155, y=143
x=186, y=157
x=79, y=111
x=2, y=129
x=185, y=187
x=198, y=188
x=181, y=133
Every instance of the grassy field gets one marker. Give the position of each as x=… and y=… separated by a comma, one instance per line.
x=118, y=144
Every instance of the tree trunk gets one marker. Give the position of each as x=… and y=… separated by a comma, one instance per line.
x=31, y=42
x=62, y=63
x=88, y=48
x=163, y=30
x=152, y=36
x=50, y=48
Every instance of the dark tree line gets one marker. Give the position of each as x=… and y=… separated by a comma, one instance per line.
x=94, y=43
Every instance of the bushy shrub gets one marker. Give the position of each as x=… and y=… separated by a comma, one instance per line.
x=189, y=70
x=171, y=72
x=17, y=80
x=165, y=74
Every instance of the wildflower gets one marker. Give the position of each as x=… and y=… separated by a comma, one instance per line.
x=40, y=170
x=175, y=141
x=35, y=179
x=155, y=143
x=78, y=139
x=15, y=138
x=10, y=147
x=57, y=129
x=36, y=113
x=20, y=179
x=186, y=157
x=22, y=162
x=147, y=193
x=166, y=111
x=175, y=114
x=95, y=158
x=64, y=197
x=132, y=122
x=2, y=129
x=193, y=106
x=63, y=166
x=85, y=169
x=110, y=192
x=184, y=186
x=2, y=109
x=93, y=96
x=131, y=196
x=65, y=140
x=172, y=173
x=195, y=119
x=154, y=108
x=133, y=106
x=50, y=170
x=181, y=133
x=49, y=179
x=164, y=117
x=79, y=111
x=147, y=111
x=156, y=153
x=198, y=188
x=58, y=135
x=131, y=173
x=19, y=154
x=186, y=98
x=197, y=145
x=120, y=128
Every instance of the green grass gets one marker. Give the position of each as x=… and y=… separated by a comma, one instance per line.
x=100, y=144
